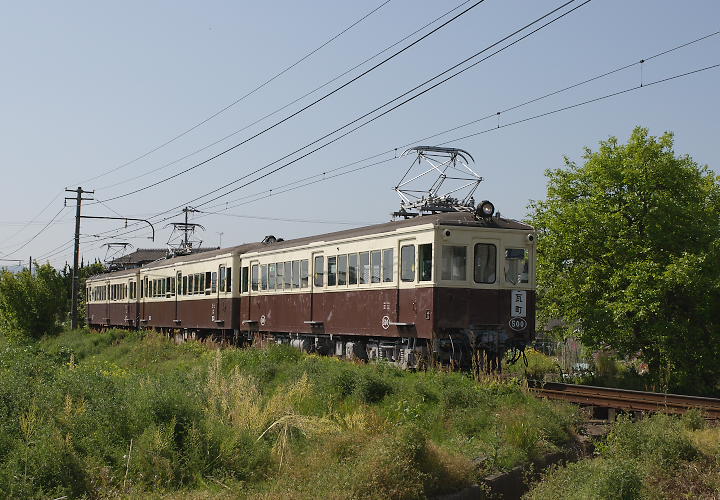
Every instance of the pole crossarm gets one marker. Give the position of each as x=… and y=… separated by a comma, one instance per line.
x=125, y=219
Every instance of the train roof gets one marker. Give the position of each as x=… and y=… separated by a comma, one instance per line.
x=464, y=219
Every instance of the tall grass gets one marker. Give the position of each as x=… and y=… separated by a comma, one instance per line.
x=127, y=414
x=657, y=457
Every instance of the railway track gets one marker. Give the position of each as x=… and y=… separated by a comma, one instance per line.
x=623, y=399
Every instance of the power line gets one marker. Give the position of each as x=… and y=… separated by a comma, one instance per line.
x=540, y=115
x=298, y=99
x=324, y=177
x=393, y=108
x=583, y=103
x=511, y=108
x=280, y=219
x=387, y=111
x=304, y=108
x=239, y=99
x=31, y=221
x=36, y=234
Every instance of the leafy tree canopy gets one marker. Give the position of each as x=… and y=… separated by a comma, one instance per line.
x=31, y=304
x=629, y=256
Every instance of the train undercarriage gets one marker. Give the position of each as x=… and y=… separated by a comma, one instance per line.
x=477, y=350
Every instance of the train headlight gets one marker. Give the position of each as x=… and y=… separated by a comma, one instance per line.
x=486, y=209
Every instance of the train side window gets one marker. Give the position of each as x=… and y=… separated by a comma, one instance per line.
x=332, y=271
x=319, y=280
x=304, y=273
x=388, y=264
x=295, y=274
x=264, y=277
x=485, y=263
x=375, y=266
x=425, y=255
x=407, y=263
x=272, y=275
x=342, y=269
x=454, y=263
x=288, y=275
x=364, y=271
x=255, y=277
x=228, y=279
x=281, y=278
x=245, y=280
x=199, y=282
x=209, y=281
x=352, y=269
x=222, y=276
x=516, y=265
x=213, y=282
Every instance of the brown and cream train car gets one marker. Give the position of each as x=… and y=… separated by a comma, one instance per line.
x=111, y=299
x=450, y=286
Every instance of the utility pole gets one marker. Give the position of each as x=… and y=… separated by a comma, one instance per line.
x=76, y=253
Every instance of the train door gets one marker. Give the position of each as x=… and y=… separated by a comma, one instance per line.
x=108, y=289
x=317, y=283
x=485, y=263
x=128, y=302
x=254, y=286
x=221, y=304
x=179, y=290
x=143, y=295
x=406, y=300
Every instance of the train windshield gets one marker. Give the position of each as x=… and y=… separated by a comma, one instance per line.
x=516, y=265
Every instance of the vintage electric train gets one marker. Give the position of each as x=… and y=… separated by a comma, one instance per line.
x=454, y=287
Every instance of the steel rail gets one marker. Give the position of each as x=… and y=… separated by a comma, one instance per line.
x=625, y=399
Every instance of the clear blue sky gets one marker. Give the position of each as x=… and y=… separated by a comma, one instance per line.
x=87, y=86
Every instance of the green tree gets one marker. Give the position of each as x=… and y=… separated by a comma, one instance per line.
x=32, y=304
x=629, y=256
x=84, y=273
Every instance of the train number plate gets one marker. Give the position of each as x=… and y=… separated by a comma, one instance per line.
x=518, y=324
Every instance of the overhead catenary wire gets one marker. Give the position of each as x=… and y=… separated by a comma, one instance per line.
x=282, y=108
x=534, y=117
x=274, y=190
x=282, y=219
x=384, y=113
x=583, y=103
x=239, y=99
x=398, y=105
x=303, y=109
x=510, y=108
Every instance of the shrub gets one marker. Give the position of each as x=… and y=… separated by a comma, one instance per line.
x=32, y=304
x=659, y=440
x=598, y=479
x=370, y=387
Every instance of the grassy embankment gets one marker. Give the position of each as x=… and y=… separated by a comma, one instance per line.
x=661, y=457
x=121, y=414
